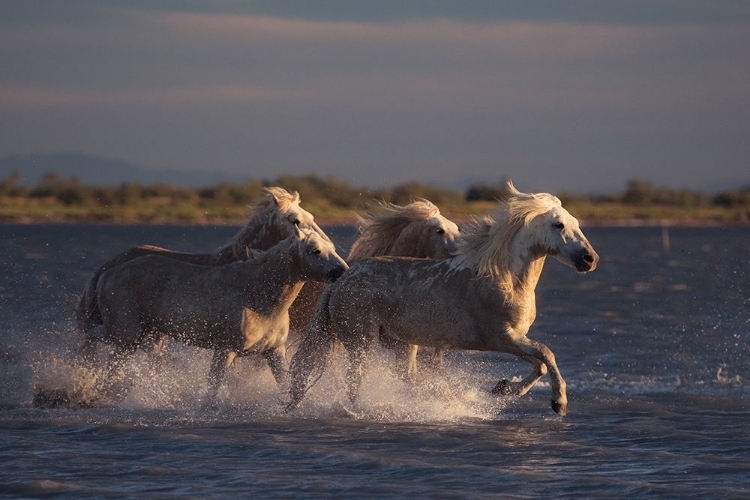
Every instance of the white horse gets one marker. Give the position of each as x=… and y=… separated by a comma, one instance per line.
x=235, y=309
x=272, y=219
x=481, y=299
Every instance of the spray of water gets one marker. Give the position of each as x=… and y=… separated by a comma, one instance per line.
x=178, y=383
x=49, y=376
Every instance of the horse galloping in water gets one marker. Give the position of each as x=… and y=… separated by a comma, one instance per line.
x=481, y=299
x=272, y=218
x=235, y=309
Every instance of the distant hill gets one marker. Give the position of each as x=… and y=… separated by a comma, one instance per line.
x=97, y=171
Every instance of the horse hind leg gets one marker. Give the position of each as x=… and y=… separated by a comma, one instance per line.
x=313, y=355
x=311, y=358
x=276, y=361
x=438, y=358
x=87, y=352
x=220, y=361
x=113, y=372
x=355, y=372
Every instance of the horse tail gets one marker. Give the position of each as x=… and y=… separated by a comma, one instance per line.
x=87, y=313
x=314, y=352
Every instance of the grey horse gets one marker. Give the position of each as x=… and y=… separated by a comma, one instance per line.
x=481, y=299
x=235, y=309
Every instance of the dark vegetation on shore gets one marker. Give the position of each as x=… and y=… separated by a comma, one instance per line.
x=58, y=199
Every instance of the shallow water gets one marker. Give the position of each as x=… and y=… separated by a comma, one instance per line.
x=653, y=346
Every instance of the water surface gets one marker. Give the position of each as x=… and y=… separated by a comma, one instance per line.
x=653, y=346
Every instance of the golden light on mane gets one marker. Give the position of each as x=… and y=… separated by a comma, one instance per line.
x=259, y=219
x=380, y=230
x=487, y=242
x=277, y=196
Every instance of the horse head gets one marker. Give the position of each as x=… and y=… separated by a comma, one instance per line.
x=546, y=228
x=434, y=237
x=272, y=218
x=318, y=258
x=562, y=238
x=414, y=230
x=288, y=216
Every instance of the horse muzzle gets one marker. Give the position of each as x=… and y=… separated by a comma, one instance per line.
x=336, y=273
x=586, y=260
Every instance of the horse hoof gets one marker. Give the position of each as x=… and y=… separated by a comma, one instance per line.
x=502, y=388
x=560, y=408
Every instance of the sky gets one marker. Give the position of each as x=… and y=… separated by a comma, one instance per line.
x=578, y=96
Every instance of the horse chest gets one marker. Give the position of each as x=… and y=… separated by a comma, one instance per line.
x=261, y=332
x=519, y=316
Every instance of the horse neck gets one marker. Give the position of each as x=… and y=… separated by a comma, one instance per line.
x=527, y=278
x=526, y=267
x=277, y=280
x=258, y=234
x=410, y=244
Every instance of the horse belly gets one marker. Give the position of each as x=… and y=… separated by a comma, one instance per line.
x=433, y=326
x=197, y=326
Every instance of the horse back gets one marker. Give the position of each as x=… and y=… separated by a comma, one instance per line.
x=418, y=301
x=88, y=313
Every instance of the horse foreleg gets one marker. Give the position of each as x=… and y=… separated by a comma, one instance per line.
x=506, y=388
x=221, y=360
x=530, y=349
x=406, y=359
x=411, y=365
x=277, y=361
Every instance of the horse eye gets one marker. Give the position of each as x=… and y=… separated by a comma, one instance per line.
x=441, y=231
x=317, y=252
x=559, y=225
x=295, y=222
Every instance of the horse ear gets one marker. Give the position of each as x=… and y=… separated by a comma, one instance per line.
x=273, y=197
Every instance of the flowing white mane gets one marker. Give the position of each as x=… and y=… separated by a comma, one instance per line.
x=379, y=231
x=486, y=245
x=264, y=214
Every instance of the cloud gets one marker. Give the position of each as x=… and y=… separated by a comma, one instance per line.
x=15, y=97
x=418, y=95
x=176, y=58
x=506, y=38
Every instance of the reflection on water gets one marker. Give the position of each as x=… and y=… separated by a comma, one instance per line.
x=653, y=346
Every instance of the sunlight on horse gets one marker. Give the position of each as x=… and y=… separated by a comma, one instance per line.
x=481, y=299
x=235, y=309
x=272, y=218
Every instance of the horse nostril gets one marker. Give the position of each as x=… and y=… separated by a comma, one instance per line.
x=588, y=258
x=335, y=274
